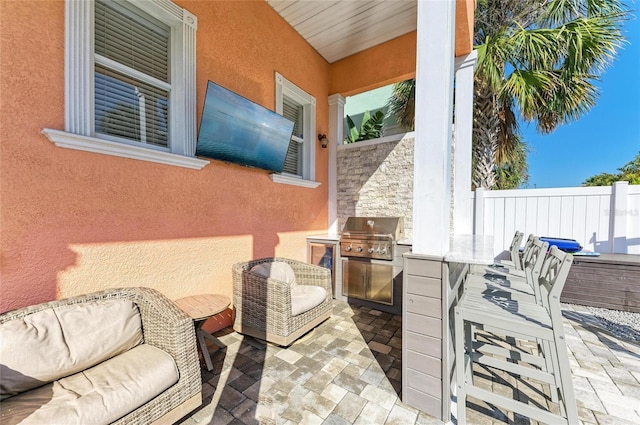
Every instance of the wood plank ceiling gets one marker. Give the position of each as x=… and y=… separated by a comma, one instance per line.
x=340, y=28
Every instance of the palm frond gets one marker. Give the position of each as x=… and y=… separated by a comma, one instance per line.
x=560, y=11
x=512, y=172
x=536, y=48
x=528, y=89
x=401, y=104
x=568, y=102
x=507, y=133
x=591, y=43
x=491, y=61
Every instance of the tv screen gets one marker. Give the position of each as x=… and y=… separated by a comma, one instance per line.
x=237, y=130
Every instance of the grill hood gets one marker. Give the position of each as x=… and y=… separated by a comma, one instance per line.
x=374, y=227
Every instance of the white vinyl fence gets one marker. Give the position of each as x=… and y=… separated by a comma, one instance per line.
x=602, y=219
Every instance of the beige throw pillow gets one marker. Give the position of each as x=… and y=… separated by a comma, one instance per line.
x=278, y=270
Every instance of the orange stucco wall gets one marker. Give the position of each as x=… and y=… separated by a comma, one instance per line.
x=394, y=60
x=464, y=26
x=378, y=66
x=75, y=222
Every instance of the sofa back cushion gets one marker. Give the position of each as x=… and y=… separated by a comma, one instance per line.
x=58, y=342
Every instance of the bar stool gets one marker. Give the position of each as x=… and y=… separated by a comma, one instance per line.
x=508, y=268
x=520, y=288
x=524, y=321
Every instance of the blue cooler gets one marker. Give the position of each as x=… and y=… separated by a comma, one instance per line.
x=566, y=245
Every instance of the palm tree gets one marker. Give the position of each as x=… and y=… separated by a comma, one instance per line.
x=537, y=60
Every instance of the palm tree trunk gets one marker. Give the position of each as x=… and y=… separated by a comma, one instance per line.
x=486, y=126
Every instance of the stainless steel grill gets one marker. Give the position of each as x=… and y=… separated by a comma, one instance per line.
x=371, y=237
x=371, y=259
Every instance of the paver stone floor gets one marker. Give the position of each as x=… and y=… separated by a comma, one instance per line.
x=348, y=371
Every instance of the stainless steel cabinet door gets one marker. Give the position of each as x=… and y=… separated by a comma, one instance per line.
x=380, y=283
x=354, y=278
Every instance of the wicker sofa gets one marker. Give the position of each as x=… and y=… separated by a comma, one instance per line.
x=266, y=306
x=125, y=356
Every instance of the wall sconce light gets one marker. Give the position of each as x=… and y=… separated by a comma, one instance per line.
x=324, y=141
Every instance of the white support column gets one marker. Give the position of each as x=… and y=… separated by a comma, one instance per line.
x=463, y=119
x=619, y=217
x=434, y=111
x=336, y=124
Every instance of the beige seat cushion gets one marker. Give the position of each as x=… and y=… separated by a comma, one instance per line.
x=277, y=270
x=306, y=297
x=99, y=395
x=58, y=342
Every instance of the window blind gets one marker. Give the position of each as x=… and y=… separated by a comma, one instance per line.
x=125, y=106
x=132, y=40
x=294, y=112
x=128, y=108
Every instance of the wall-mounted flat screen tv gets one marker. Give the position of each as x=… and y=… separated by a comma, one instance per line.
x=237, y=130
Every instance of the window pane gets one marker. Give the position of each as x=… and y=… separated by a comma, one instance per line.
x=293, y=160
x=293, y=111
x=131, y=39
x=126, y=107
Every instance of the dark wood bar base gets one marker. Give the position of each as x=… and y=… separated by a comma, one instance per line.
x=609, y=281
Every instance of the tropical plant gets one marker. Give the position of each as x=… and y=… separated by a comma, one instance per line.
x=537, y=61
x=630, y=172
x=370, y=128
x=402, y=103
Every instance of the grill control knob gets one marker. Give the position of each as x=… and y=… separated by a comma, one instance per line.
x=370, y=250
x=359, y=249
x=384, y=250
x=349, y=248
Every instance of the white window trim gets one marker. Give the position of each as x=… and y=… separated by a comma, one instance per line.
x=67, y=140
x=293, y=180
x=286, y=88
x=79, y=87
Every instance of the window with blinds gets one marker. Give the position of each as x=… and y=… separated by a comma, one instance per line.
x=132, y=74
x=300, y=107
x=294, y=112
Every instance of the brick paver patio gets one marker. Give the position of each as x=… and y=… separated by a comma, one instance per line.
x=348, y=371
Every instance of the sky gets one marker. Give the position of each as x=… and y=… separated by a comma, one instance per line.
x=605, y=138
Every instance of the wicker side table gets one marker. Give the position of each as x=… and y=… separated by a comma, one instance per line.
x=200, y=308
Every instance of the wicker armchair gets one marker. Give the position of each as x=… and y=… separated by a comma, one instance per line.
x=263, y=305
x=164, y=326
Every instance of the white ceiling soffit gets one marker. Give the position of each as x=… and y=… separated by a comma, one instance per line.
x=340, y=28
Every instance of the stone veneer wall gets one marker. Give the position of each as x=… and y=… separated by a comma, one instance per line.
x=375, y=178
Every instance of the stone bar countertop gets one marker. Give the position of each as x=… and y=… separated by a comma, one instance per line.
x=326, y=237
x=470, y=249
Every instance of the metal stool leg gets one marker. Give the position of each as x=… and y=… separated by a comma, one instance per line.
x=201, y=335
x=204, y=350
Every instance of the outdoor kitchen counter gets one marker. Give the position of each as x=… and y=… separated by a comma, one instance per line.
x=325, y=237
x=470, y=249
